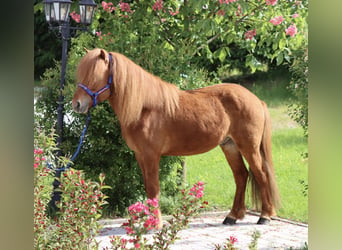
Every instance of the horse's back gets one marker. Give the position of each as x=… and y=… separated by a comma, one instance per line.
x=208, y=115
x=234, y=98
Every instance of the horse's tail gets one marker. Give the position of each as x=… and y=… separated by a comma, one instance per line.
x=267, y=165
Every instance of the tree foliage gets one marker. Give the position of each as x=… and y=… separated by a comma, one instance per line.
x=240, y=33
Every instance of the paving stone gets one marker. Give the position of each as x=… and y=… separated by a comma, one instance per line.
x=207, y=230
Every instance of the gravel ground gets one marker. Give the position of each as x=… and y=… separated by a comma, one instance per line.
x=207, y=230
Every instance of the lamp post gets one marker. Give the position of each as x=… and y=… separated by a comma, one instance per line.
x=57, y=16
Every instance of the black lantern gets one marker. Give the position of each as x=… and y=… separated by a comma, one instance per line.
x=87, y=8
x=57, y=10
x=57, y=15
x=49, y=11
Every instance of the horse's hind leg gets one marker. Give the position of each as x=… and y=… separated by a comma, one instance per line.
x=260, y=174
x=240, y=173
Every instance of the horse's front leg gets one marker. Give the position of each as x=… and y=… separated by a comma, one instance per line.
x=149, y=164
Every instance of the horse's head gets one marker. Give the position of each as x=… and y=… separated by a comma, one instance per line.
x=94, y=83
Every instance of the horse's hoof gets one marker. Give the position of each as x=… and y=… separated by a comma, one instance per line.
x=229, y=221
x=263, y=221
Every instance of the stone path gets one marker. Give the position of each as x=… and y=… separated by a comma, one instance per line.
x=207, y=230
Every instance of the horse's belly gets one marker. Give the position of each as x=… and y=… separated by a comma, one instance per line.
x=190, y=140
x=189, y=150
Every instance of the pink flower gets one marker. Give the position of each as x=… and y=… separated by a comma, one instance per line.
x=277, y=20
x=226, y=1
x=138, y=207
x=174, y=13
x=199, y=194
x=250, y=34
x=271, y=2
x=129, y=230
x=137, y=245
x=233, y=239
x=108, y=6
x=125, y=7
x=158, y=5
x=123, y=241
x=291, y=30
x=38, y=151
x=238, y=12
x=151, y=222
x=76, y=17
x=197, y=190
x=295, y=15
x=154, y=202
x=221, y=12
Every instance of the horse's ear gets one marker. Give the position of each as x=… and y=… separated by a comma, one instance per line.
x=103, y=54
x=86, y=49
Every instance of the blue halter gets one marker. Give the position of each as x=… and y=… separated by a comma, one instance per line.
x=94, y=95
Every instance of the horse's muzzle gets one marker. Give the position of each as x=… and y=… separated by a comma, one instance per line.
x=80, y=107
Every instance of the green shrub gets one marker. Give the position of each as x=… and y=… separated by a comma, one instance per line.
x=299, y=87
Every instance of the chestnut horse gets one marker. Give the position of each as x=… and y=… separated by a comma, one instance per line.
x=157, y=119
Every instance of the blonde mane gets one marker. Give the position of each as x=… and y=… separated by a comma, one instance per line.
x=135, y=89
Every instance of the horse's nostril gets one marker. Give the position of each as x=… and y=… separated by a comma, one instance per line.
x=77, y=106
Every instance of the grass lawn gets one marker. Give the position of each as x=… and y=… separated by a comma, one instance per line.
x=291, y=168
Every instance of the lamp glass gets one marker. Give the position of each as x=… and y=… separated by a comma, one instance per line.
x=61, y=10
x=49, y=11
x=65, y=9
x=87, y=8
x=57, y=11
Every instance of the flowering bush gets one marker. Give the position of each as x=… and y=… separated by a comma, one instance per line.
x=209, y=28
x=143, y=218
x=75, y=224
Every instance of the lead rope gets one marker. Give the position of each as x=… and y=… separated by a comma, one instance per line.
x=56, y=195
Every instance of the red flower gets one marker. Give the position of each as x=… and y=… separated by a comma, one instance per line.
x=233, y=239
x=158, y=5
x=124, y=7
x=75, y=16
x=154, y=202
x=271, y=2
x=250, y=34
